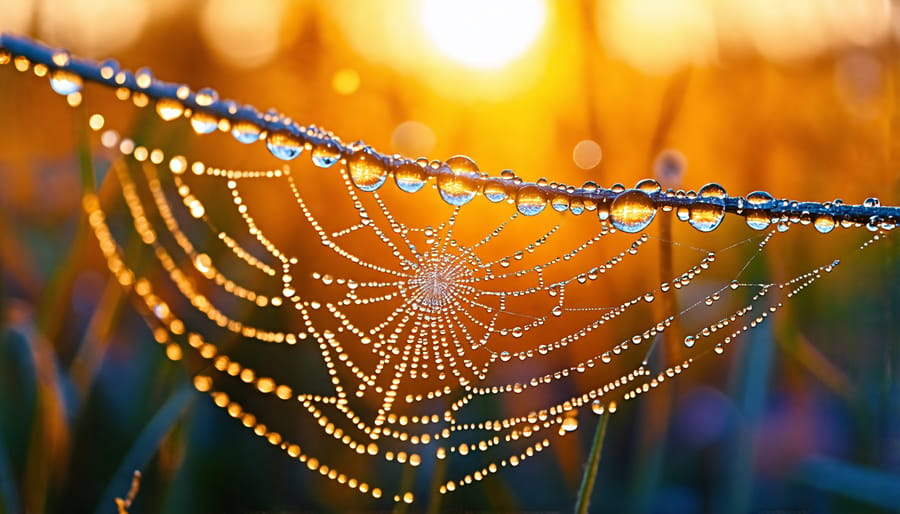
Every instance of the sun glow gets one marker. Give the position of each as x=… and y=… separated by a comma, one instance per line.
x=484, y=34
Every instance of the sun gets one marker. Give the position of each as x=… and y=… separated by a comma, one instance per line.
x=483, y=34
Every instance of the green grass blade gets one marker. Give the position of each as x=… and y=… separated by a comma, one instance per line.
x=146, y=446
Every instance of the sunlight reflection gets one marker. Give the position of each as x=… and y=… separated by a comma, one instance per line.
x=244, y=34
x=483, y=34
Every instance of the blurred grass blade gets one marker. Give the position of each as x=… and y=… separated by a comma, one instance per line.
x=590, y=473
x=146, y=446
x=752, y=370
x=865, y=485
x=10, y=498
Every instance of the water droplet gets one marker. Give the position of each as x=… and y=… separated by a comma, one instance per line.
x=206, y=97
x=576, y=206
x=505, y=356
x=324, y=155
x=109, y=68
x=569, y=424
x=143, y=77
x=61, y=58
x=367, y=171
x=557, y=311
x=495, y=190
x=204, y=123
x=169, y=109
x=410, y=177
x=530, y=200
x=760, y=200
x=203, y=263
x=283, y=146
x=245, y=132
x=597, y=407
x=689, y=341
x=65, y=82
x=178, y=164
x=632, y=211
x=648, y=185
x=708, y=210
x=560, y=202
x=458, y=180
x=872, y=202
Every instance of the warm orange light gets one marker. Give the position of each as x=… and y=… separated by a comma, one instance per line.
x=484, y=34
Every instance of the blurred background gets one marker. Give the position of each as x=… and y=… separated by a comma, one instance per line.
x=796, y=98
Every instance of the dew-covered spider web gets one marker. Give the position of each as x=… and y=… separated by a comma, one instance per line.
x=408, y=312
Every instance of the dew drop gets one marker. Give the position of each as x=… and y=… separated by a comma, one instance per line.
x=632, y=211
x=65, y=82
x=757, y=220
x=178, y=164
x=324, y=155
x=597, y=407
x=569, y=424
x=557, y=311
x=143, y=77
x=505, y=356
x=410, y=177
x=206, y=97
x=530, y=200
x=367, y=171
x=245, y=132
x=648, y=185
x=872, y=202
x=458, y=180
x=760, y=200
x=689, y=341
x=560, y=202
x=708, y=210
x=169, y=109
x=109, y=68
x=283, y=146
x=204, y=123
x=495, y=190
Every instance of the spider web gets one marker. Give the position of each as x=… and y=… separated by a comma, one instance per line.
x=394, y=331
x=414, y=330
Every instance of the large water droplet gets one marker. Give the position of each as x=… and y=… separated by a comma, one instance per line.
x=245, y=132
x=410, y=177
x=324, y=155
x=283, y=146
x=495, y=190
x=560, y=202
x=872, y=202
x=65, y=82
x=204, y=123
x=530, y=200
x=757, y=217
x=632, y=211
x=708, y=210
x=760, y=200
x=458, y=180
x=824, y=223
x=206, y=97
x=648, y=185
x=169, y=109
x=367, y=171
